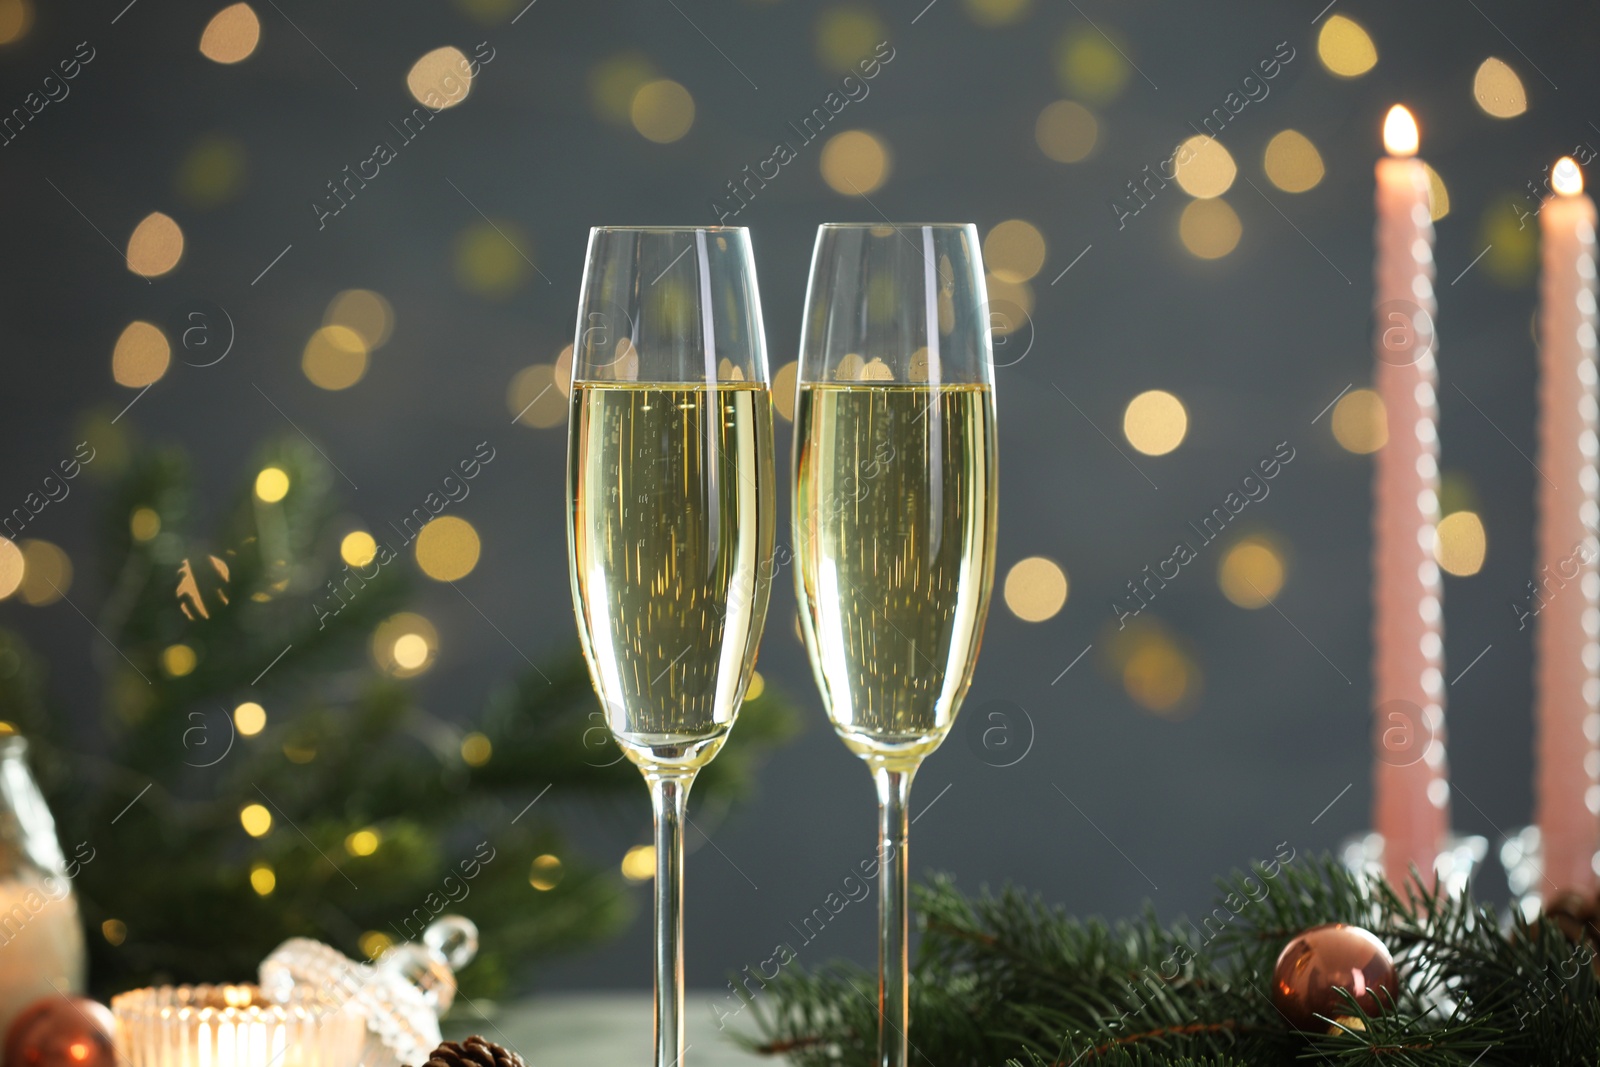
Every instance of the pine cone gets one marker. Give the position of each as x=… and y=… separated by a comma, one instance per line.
x=473, y=1052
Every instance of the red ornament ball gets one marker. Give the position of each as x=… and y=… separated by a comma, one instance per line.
x=57, y=1031
x=1315, y=966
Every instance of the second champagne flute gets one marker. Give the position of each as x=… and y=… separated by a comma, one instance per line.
x=670, y=520
x=894, y=518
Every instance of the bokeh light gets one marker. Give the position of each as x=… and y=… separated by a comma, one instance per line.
x=662, y=111
x=1036, y=589
x=16, y=17
x=1203, y=167
x=358, y=548
x=178, y=661
x=1155, y=422
x=613, y=83
x=255, y=819
x=1251, y=572
x=12, y=567
x=1512, y=249
x=997, y=12
x=141, y=356
x=335, y=358
x=365, y=312
x=249, y=718
x=115, y=931
x=562, y=372
x=545, y=872
x=534, y=397
x=363, y=842
x=1360, y=422
x=1460, y=544
x=1010, y=304
x=46, y=573
x=1498, y=90
x=1090, y=66
x=1345, y=48
x=374, y=943
x=1066, y=131
x=231, y=35
x=855, y=163
x=155, y=246
x=639, y=863
x=211, y=172
x=491, y=259
x=442, y=78
x=784, y=383
x=757, y=686
x=1209, y=229
x=848, y=35
x=447, y=548
x=1292, y=162
x=1438, y=194
x=1014, y=250
x=405, y=645
x=476, y=750
x=272, y=485
x=1156, y=672
x=263, y=879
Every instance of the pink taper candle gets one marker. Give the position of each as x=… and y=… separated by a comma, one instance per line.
x=1565, y=650
x=1410, y=789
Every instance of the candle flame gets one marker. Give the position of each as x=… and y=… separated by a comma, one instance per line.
x=1400, y=132
x=1566, y=178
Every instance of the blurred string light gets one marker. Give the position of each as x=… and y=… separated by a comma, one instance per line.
x=405, y=645
x=855, y=163
x=535, y=397
x=993, y=13
x=476, y=750
x=1209, y=229
x=256, y=820
x=757, y=686
x=441, y=78
x=335, y=358
x=1345, y=48
x=1457, y=493
x=639, y=863
x=489, y=11
x=1155, y=669
x=1090, y=65
x=366, y=312
x=249, y=718
x=447, y=548
x=562, y=372
x=1438, y=194
x=1066, y=131
x=846, y=35
x=141, y=356
x=1010, y=304
x=155, y=246
x=374, y=943
x=1360, y=423
x=1036, y=589
x=16, y=17
x=358, y=548
x=491, y=258
x=178, y=661
x=211, y=172
x=1498, y=90
x=11, y=567
x=662, y=111
x=1460, y=544
x=46, y=573
x=1251, y=572
x=115, y=931
x=545, y=872
x=144, y=524
x=1155, y=422
x=1511, y=245
x=363, y=843
x=613, y=83
x=1014, y=250
x=231, y=35
x=784, y=383
x=263, y=879
x=1203, y=167
x=1292, y=162
x=272, y=485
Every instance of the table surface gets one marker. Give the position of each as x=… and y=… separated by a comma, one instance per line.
x=602, y=1029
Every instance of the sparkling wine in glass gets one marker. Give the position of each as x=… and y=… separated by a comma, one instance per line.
x=894, y=518
x=670, y=508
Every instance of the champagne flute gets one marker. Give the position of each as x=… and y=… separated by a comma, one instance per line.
x=894, y=518
x=670, y=520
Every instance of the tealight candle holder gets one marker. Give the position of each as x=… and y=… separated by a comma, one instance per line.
x=232, y=1026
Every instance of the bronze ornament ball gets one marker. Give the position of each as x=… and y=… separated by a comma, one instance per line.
x=57, y=1031
x=1316, y=965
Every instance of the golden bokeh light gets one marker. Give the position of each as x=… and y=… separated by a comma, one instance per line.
x=12, y=567
x=491, y=258
x=1251, y=572
x=1512, y=245
x=613, y=83
x=476, y=750
x=255, y=819
x=662, y=111
x=363, y=842
x=272, y=485
x=374, y=943
x=639, y=863
x=757, y=686
x=1438, y=194
x=211, y=172
x=1155, y=422
x=1036, y=589
x=442, y=78
x=1460, y=544
x=115, y=931
x=1360, y=422
x=178, y=661
x=231, y=35
x=1010, y=304
x=1014, y=250
x=847, y=35
x=784, y=384
x=263, y=879
x=1209, y=229
x=562, y=372
x=1498, y=90
x=855, y=163
x=1158, y=675
x=46, y=573
x=365, y=312
x=1345, y=48
x=1066, y=131
x=1292, y=162
x=448, y=548
x=545, y=872
x=1203, y=167
x=155, y=246
x=141, y=356
x=534, y=396
x=144, y=524
x=249, y=718
x=358, y=548
x=335, y=358
x=1090, y=66
x=404, y=645
x=997, y=12
x=16, y=17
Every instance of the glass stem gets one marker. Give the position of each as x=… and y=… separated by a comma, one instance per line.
x=669, y=796
x=894, y=1005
